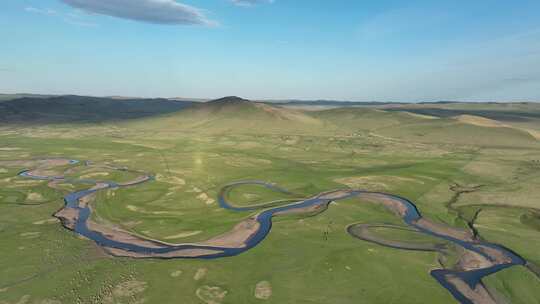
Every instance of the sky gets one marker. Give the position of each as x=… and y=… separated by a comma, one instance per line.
x=386, y=50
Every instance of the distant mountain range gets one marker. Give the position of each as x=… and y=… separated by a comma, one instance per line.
x=4, y=97
x=337, y=103
x=235, y=115
x=44, y=109
x=283, y=102
x=32, y=109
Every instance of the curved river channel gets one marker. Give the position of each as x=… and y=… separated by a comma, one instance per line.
x=477, y=258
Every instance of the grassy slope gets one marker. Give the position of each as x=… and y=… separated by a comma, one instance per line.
x=521, y=116
x=222, y=118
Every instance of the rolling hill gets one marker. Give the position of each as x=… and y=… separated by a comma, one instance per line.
x=487, y=124
x=234, y=114
x=77, y=109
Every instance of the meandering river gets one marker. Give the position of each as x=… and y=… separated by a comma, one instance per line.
x=478, y=258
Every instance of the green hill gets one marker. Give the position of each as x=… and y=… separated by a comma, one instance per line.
x=452, y=131
x=237, y=115
x=366, y=119
x=234, y=115
x=522, y=117
x=486, y=125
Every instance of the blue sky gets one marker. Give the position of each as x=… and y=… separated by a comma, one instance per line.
x=306, y=49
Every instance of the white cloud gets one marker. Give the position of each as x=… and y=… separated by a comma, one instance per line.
x=151, y=11
x=250, y=2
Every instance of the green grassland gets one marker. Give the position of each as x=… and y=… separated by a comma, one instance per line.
x=195, y=152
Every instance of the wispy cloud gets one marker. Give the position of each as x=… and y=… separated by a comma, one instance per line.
x=43, y=11
x=151, y=11
x=519, y=80
x=405, y=20
x=71, y=18
x=505, y=68
x=250, y=2
x=79, y=22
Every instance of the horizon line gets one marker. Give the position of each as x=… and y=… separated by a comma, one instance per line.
x=276, y=100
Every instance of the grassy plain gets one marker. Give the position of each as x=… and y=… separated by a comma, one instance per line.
x=195, y=152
